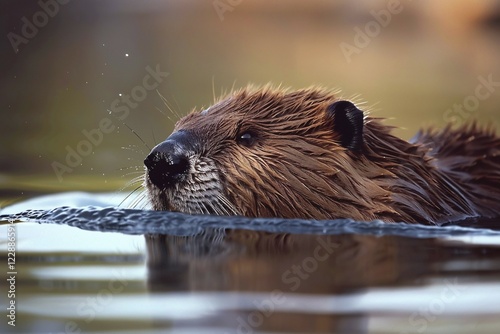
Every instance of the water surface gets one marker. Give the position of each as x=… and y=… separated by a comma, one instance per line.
x=100, y=268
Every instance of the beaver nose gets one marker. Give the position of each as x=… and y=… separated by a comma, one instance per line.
x=168, y=162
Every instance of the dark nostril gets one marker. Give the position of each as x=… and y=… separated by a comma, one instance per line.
x=165, y=170
x=178, y=165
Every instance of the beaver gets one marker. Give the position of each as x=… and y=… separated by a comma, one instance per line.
x=265, y=152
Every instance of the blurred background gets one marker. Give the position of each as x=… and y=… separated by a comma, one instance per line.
x=66, y=64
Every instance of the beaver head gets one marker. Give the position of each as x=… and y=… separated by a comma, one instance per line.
x=268, y=153
x=302, y=154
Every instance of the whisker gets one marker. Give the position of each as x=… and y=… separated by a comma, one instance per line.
x=130, y=194
x=213, y=88
x=135, y=149
x=137, y=135
x=132, y=130
x=222, y=207
x=177, y=104
x=138, y=169
x=141, y=199
x=228, y=205
x=137, y=179
x=166, y=115
x=165, y=101
x=137, y=175
x=140, y=203
x=217, y=209
x=204, y=208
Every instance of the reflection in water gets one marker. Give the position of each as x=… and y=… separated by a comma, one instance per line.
x=282, y=264
x=259, y=261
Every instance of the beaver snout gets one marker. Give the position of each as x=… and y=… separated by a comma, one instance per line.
x=168, y=163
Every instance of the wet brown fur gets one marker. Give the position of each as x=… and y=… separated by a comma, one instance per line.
x=297, y=168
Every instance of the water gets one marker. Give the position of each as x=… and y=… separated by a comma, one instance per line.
x=97, y=269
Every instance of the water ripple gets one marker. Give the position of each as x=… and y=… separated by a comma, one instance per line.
x=131, y=221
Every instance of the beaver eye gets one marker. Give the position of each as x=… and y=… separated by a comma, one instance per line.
x=247, y=139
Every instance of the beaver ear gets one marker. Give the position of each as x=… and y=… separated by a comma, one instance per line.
x=348, y=123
